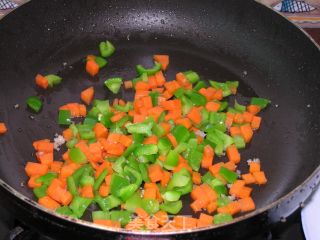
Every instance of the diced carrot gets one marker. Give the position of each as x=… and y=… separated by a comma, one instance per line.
x=128, y=84
x=247, y=117
x=87, y=95
x=162, y=59
x=171, y=104
x=66, y=198
x=104, y=190
x=172, y=86
x=82, y=110
x=107, y=179
x=218, y=95
x=198, y=193
x=205, y=219
x=155, y=172
x=183, y=222
x=233, y=154
x=107, y=223
x=45, y=158
x=173, y=115
x=238, y=118
x=236, y=187
x=165, y=178
x=230, y=166
x=56, y=166
x=166, y=126
x=68, y=170
x=117, y=117
x=260, y=177
x=91, y=57
x=254, y=167
x=87, y=191
x=234, y=131
x=194, y=115
x=141, y=213
x=33, y=169
x=150, y=193
x=204, y=92
x=229, y=119
x=196, y=178
x=48, y=202
x=255, y=123
x=151, y=140
x=67, y=134
x=244, y=192
x=214, y=169
x=32, y=182
x=100, y=130
x=212, y=106
x=43, y=145
x=254, y=109
x=152, y=82
x=92, y=68
x=248, y=178
x=125, y=140
x=199, y=204
x=172, y=139
x=211, y=207
x=161, y=217
x=210, y=193
x=211, y=93
x=232, y=208
x=138, y=118
x=208, y=156
x=246, y=204
x=42, y=81
x=181, y=79
x=141, y=85
x=160, y=79
x=246, y=132
x=3, y=128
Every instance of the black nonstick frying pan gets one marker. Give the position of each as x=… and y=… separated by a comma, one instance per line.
x=221, y=40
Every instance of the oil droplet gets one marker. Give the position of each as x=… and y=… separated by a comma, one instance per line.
x=302, y=204
x=283, y=219
x=31, y=117
x=16, y=106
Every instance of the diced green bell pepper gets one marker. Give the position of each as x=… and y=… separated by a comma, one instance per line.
x=113, y=84
x=106, y=49
x=149, y=71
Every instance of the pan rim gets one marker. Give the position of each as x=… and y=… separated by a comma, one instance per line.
x=83, y=223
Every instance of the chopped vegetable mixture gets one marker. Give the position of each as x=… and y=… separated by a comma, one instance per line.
x=135, y=160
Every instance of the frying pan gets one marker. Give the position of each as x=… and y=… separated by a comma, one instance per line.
x=221, y=40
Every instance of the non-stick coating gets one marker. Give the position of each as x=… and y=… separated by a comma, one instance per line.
x=221, y=40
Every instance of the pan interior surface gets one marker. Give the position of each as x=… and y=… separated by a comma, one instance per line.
x=218, y=39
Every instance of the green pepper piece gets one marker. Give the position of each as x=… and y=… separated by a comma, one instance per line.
x=133, y=202
x=102, y=105
x=142, y=128
x=71, y=143
x=218, y=186
x=47, y=178
x=199, y=85
x=171, y=207
x=223, y=106
x=34, y=103
x=158, y=130
x=65, y=210
x=261, y=102
x=151, y=206
x=186, y=105
x=126, y=192
x=147, y=149
x=53, y=80
x=230, y=176
x=124, y=217
x=87, y=135
x=72, y=186
x=196, y=98
x=217, y=118
x=77, y=156
x=100, y=215
x=171, y=196
x=154, y=97
x=172, y=160
x=181, y=147
x=100, y=179
x=64, y=117
x=179, y=93
x=151, y=71
x=117, y=182
x=130, y=149
x=100, y=61
x=79, y=205
x=89, y=120
x=239, y=107
x=86, y=180
x=107, y=203
x=180, y=182
x=84, y=170
x=106, y=49
x=124, y=108
x=40, y=192
x=239, y=142
x=192, y=76
x=134, y=175
x=223, y=201
x=194, y=159
x=181, y=133
x=144, y=172
x=207, y=177
x=222, y=218
x=118, y=165
x=113, y=84
x=164, y=145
